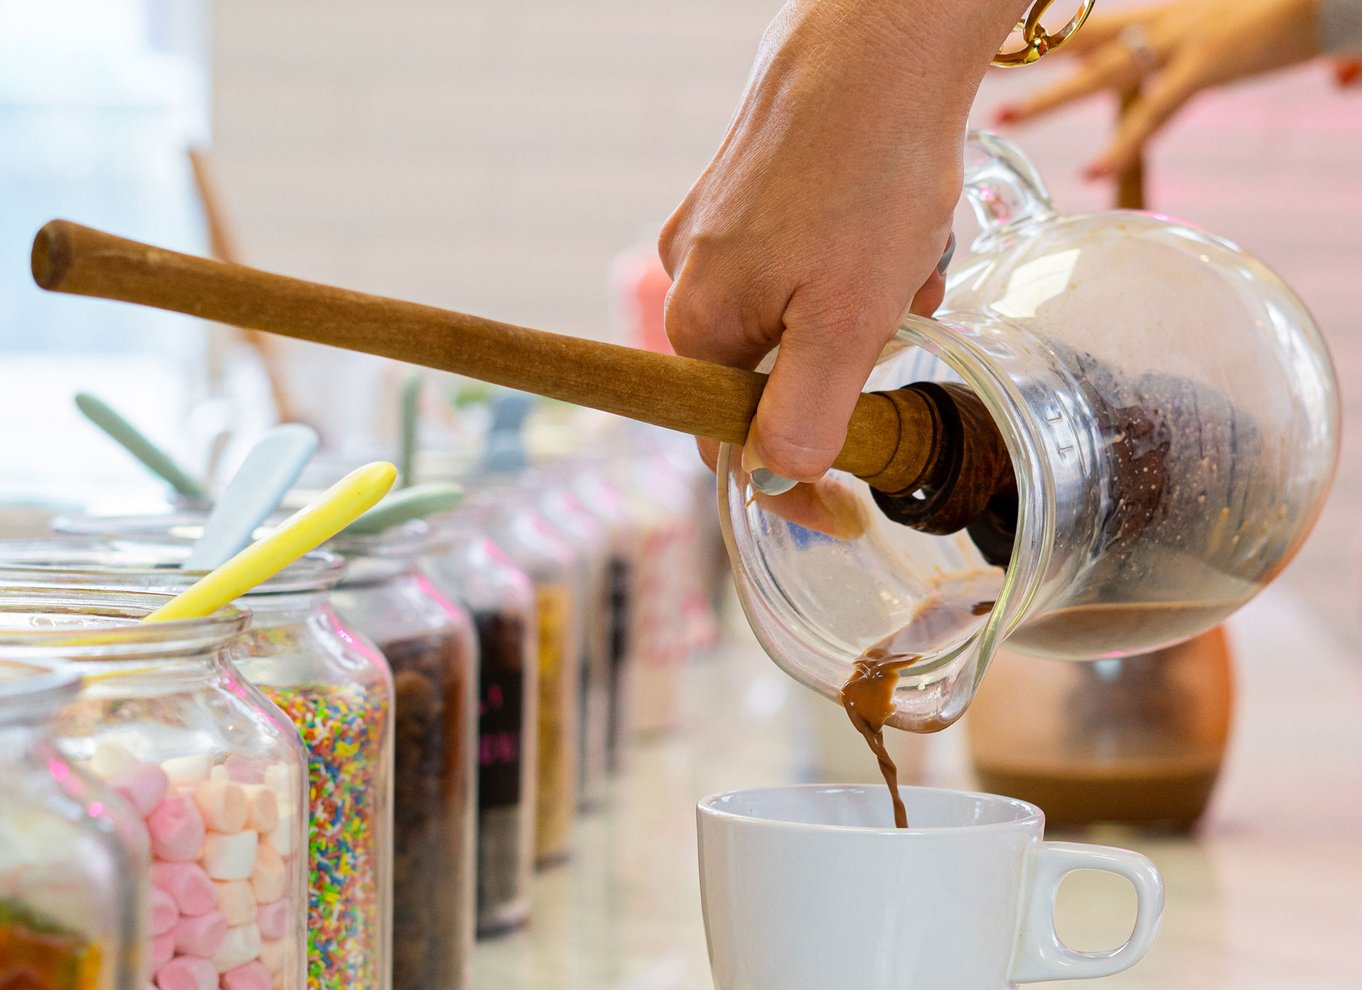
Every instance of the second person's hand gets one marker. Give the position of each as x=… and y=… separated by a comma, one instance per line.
x=1173, y=51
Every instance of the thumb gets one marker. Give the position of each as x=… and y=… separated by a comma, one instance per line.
x=826, y=354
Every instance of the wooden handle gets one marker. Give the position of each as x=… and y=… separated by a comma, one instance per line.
x=1130, y=183
x=892, y=439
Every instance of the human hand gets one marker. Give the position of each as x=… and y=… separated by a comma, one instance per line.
x=1173, y=51
x=825, y=211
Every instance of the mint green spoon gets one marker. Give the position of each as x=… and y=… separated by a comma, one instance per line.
x=155, y=459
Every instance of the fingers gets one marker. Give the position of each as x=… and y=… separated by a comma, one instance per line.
x=1347, y=71
x=826, y=506
x=1111, y=67
x=1162, y=98
x=826, y=355
x=1103, y=29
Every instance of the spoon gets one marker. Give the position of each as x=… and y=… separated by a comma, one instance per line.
x=305, y=530
x=155, y=459
x=416, y=502
x=268, y=471
x=409, y=401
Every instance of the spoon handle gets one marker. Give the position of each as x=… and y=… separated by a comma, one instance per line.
x=884, y=444
x=153, y=458
x=268, y=471
x=305, y=530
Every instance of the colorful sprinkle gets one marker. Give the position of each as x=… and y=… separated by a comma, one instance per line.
x=346, y=731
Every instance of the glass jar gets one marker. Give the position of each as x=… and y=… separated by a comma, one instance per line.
x=329, y=680
x=581, y=531
x=74, y=860
x=214, y=770
x=667, y=592
x=431, y=649
x=589, y=482
x=467, y=566
x=521, y=531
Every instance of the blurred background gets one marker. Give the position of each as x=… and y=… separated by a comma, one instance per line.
x=500, y=159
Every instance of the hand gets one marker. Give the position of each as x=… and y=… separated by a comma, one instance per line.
x=825, y=212
x=1173, y=51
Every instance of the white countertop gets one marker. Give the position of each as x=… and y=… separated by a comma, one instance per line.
x=1267, y=895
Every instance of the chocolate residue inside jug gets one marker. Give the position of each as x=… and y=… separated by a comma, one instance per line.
x=868, y=697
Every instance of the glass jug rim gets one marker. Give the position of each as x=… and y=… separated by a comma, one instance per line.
x=111, y=630
x=72, y=561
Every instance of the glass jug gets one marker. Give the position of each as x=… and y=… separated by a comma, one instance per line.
x=1171, y=417
x=74, y=866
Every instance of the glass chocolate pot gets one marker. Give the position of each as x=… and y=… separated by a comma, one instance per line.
x=1170, y=413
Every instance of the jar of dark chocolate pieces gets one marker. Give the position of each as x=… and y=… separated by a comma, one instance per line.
x=431, y=647
x=468, y=566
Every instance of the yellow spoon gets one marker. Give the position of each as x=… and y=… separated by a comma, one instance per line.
x=305, y=530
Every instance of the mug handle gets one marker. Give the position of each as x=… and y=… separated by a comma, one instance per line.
x=1041, y=954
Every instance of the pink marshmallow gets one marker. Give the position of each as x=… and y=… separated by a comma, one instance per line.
x=230, y=856
x=187, y=973
x=241, y=945
x=176, y=829
x=243, y=771
x=274, y=953
x=251, y=976
x=162, y=950
x=236, y=901
x=190, y=887
x=202, y=936
x=164, y=913
x=273, y=918
x=267, y=879
x=263, y=810
x=142, y=785
x=222, y=804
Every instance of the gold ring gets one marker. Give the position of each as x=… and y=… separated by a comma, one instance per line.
x=1038, y=41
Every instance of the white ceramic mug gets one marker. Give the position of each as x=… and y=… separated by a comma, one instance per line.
x=812, y=888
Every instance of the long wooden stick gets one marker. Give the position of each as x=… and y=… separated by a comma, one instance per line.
x=893, y=441
x=224, y=247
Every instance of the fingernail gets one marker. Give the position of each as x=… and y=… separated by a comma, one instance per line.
x=768, y=482
x=1096, y=170
x=1008, y=114
x=763, y=478
x=947, y=255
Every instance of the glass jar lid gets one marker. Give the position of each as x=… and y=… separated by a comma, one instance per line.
x=94, y=625
x=142, y=561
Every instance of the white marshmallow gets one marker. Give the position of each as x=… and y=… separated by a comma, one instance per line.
x=109, y=758
x=283, y=839
x=241, y=945
x=236, y=901
x=185, y=771
x=230, y=856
